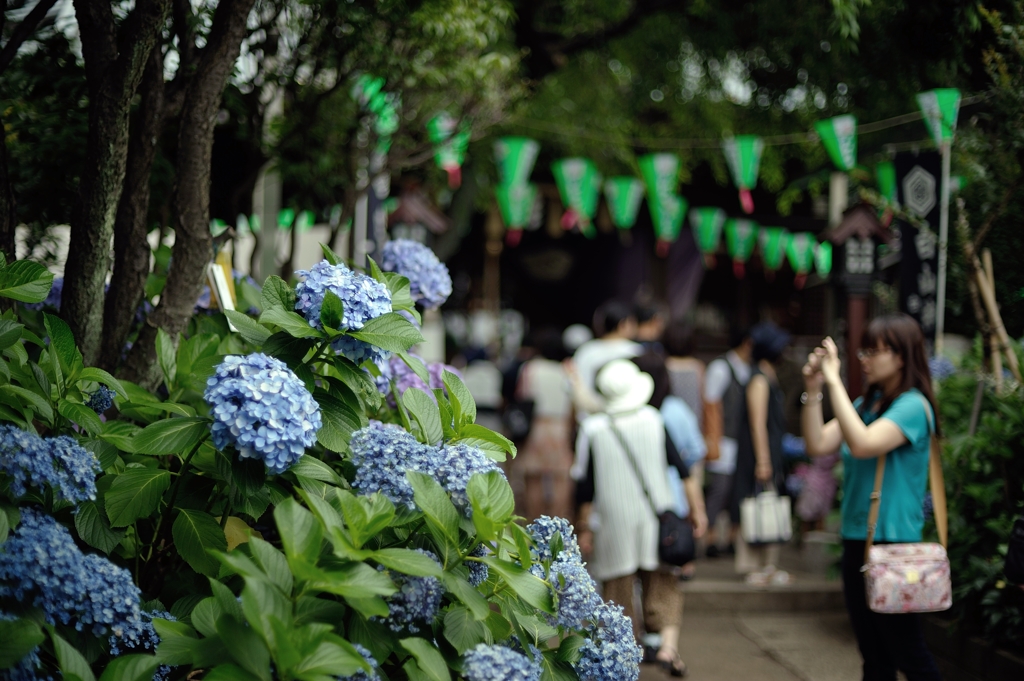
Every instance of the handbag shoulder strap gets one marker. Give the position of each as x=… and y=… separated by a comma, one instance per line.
x=632, y=463
x=935, y=483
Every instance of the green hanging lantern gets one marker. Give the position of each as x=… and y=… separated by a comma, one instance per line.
x=254, y=223
x=304, y=221
x=285, y=218
x=516, y=205
x=667, y=213
x=772, y=241
x=366, y=88
x=740, y=239
x=800, y=252
x=579, y=186
x=660, y=173
x=823, y=259
x=839, y=135
x=515, y=157
x=957, y=183
x=450, y=143
x=743, y=156
x=941, y=108
x=624, y=195
x=387, y=121
x=706, y=223
x=885, y=173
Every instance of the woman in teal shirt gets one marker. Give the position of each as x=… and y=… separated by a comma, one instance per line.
x=893, y=418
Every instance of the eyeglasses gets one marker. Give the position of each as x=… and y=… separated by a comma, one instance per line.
x=871, y=352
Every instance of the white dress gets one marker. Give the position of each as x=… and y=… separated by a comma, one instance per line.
x=625, y=528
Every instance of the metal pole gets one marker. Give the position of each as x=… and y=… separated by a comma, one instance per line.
x=940, y=297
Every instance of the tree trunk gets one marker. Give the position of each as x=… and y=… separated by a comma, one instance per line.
x=191, y=196
x=113, y=69
x=131, y=249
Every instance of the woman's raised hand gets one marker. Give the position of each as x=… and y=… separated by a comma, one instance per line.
x=813, y=379
x=830, y=364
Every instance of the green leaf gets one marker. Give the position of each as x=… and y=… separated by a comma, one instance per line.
x=246, y=647
x=352, y=580
x=428, y=658
x=424, y=410
x=72, y=665
x=301, y=533
x=333, y=659
x=463, y=630
x=463, y=404
x=435, y=504
x=494, y=445
x=177, y=642
x=291, y=322
x=171, y=436
x=166, y=354
x=408, y=562
x=390, y=331
x=135, y=494
x=226, y=602
x=329, y=255
x=492, y=501
x=312, y=467
x=332, y=311
x=272, y=562
x=401, y=296
x=101, y=376
x=556, y=670
x=94, y=528
x=248, y=328
x=10, y=332
x=569, y=649
x=365, y=515
x=467, y=594
x=17, y=638
x=195, y=533
x=28, y=399
x=339, y=421
x=131, y=668
x=417, y=366
x=287, y=348
x=5, y=526
x=121, y=434
x=25, y=281
x=530, y=588
x=63, y=342
x=359, y=381
x=80, y=414
x=277, y=295
x=262, y=601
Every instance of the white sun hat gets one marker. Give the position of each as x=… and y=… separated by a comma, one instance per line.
x=624, y=386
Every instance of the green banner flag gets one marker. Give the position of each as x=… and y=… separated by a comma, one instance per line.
x=366, y=88
x=660, y=173
x=515, y=157
x=667, y=214
x=823, y=259
x=450, y=142
x=579, y=186
x=706, y=223
x=941, y=108
x=242, y=224
x=217, y=226
x=800, y=252
x=957, y=183
x=624, y=195
x=743, y=156
x=839, y=135
x=772, y=241
x=516, y=205
x=285, y=218
x=740, y=239
x=304, y=221
x=885, y=173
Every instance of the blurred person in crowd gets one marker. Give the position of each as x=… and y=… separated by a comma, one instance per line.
x=621, y=469
x=614, y=328
x=541, y=469
x=483, y=379
x=650, y=326
x=725, y=384
x=686, y=373
x=759, y=457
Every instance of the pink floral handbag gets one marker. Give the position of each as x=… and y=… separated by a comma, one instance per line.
x=903, y=578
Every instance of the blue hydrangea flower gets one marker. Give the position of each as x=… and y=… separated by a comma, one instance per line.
x=610, y=652
x=429, y=281
x=60, y=462
x=41, y=565
x=101, y=400
x=575, y=592
x=544, y=528
x=478, y=572
x=147, y=642
x=53, y=298
x=498, y=663
x=382, y=454
x=262, y=408
x=362, y=675
x=363, y=298
x=941, y=367
x=416, y=602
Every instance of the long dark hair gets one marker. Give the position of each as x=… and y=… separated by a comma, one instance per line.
x=901, y=333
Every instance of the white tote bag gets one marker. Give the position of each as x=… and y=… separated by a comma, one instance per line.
x=766, y=518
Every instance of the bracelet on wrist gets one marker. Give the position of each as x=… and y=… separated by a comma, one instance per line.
x=816, y=398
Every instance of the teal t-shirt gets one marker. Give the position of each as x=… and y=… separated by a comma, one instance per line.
x=901, y=515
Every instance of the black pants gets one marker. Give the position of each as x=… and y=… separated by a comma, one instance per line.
x=887, y=642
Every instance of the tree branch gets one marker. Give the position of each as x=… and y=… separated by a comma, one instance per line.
x=23, y=31
x=995, y=214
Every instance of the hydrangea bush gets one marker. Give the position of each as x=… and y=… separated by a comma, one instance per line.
x=272, y=514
